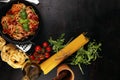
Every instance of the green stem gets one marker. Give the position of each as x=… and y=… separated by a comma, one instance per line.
x=81, y=69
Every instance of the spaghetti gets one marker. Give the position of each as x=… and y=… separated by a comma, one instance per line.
x=20, y=21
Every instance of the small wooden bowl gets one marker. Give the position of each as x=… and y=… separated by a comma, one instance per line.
x=65, y=67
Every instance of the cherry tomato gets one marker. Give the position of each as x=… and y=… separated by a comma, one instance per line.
x=45, y=44
x=38, y=48
x=32, y=57
x=39, y=59
x=47, y=55
x=36, y=60
x=36, y=54
x=48, y=49
x=42, y=57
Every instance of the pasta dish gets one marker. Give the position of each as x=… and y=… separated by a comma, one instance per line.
x=20, y=21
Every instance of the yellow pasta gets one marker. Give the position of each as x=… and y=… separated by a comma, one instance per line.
x=13, y=56
x=2, y=43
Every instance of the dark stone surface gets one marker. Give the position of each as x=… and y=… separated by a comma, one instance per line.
x=100, y=18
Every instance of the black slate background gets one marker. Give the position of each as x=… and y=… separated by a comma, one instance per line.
x=100, y=18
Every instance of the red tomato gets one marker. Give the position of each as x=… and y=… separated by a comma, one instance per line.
x=45, y=44
x=42, y=57
x=36, y=60
x=38, y=48
x=36, y=54
x=32, y=57
x=48, y=49
x=47, y=55
x=39, y=59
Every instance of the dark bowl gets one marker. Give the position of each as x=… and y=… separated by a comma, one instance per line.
x=3, y=11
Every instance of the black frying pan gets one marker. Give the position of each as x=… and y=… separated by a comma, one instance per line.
x=6, y=36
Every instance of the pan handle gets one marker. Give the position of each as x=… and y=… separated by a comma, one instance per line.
x=5, y=1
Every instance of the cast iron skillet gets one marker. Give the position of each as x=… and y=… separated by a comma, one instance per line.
x=3, y=11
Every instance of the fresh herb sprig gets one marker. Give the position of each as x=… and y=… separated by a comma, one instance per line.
x=86, y=56
x=58, y=43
